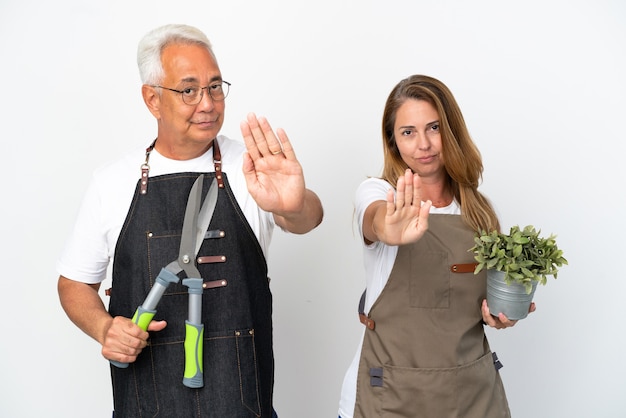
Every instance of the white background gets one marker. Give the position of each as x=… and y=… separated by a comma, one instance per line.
x=541, y=85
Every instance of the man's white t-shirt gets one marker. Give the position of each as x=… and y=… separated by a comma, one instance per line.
x=91, y=244
x=378, y=259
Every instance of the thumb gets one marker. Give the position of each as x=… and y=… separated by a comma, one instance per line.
x=156, y=325
x=248, y=165
x=423, y=215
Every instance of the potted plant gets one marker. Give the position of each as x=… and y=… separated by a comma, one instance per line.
x=515, y=262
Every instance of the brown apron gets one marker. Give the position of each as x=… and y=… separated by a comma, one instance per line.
x=425, y=353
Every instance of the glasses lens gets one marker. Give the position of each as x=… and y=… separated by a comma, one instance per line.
x=217, y=91
x=192, y=96
x=225, y=89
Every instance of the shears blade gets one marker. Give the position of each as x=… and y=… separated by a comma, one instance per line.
x=195, y=224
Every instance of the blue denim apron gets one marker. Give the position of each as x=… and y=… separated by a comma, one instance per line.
x=236, y=307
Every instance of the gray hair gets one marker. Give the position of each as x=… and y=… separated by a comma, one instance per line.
x=152, y=44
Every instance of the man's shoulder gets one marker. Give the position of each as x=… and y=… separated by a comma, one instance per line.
x=131, y=157
x=230, y=146
x=122, y=170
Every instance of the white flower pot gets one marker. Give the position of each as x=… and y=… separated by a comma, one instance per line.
x=510, y=299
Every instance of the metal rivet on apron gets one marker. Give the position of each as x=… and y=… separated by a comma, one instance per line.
x=186, y=259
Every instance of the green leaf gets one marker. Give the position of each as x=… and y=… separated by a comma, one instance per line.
x=522, y=254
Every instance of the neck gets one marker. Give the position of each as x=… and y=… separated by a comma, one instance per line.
x=182, y=151
x=437, y=192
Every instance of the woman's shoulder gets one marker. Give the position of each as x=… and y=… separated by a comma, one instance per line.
x=371, y=190
x=374, y=183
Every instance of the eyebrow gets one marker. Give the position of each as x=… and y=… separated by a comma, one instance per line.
x=428, y=125
x=195, y=80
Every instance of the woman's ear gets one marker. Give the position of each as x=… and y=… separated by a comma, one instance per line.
x=152, y=99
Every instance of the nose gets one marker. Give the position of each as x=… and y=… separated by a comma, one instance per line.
x=423, y=142
x=206, y=101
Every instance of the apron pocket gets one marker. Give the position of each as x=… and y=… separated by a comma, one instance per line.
x=230, y=369
x=472, y=391
x=430, y=280
x=162, y=249
x=230, y=379
x=410, y=392
x=135, y=388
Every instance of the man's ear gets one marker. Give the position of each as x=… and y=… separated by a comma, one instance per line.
x=152, y=99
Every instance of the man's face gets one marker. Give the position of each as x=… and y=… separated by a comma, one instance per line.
x=181, y=124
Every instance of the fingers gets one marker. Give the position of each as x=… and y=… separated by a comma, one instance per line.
x=248, y=139
x=286, y=144
x=487, y=317
x=498, y=322
x=408, y=190
x=401, y=193
x=424, y=207
x=505, y=322
x=260, y=139
x=409, y=194
x=124, y=339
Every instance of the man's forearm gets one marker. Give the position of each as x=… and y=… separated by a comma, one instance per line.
x=307, y=219
x=83, y=306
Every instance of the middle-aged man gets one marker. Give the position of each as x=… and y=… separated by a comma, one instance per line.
x=135, y=212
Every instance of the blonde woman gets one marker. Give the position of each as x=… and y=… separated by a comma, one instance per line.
x=424, y=352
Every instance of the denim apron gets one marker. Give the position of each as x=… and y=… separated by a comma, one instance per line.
x=424, y=352
x=236, y=306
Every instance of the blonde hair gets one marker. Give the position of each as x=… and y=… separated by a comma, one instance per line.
x=463, y=162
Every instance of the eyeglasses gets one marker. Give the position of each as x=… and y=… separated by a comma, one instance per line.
x=193, y=95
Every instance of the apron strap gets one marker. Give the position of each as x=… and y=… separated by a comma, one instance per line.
x=364, y=319
x=217, y=162
x=463, y=268
x=145, y=169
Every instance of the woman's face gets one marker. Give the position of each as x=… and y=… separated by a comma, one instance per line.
x=417, y=136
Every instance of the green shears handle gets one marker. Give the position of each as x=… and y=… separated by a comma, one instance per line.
x=194, y=336
x=146, y=311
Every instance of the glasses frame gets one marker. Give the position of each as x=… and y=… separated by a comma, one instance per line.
x=181, y=92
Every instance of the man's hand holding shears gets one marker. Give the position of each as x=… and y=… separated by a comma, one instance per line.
x=124, y=339
x=127, y=337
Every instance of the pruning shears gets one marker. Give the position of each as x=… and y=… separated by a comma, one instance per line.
x=195, y=224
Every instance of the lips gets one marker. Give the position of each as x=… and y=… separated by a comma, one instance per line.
x=205, y=124
x=426, y=159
